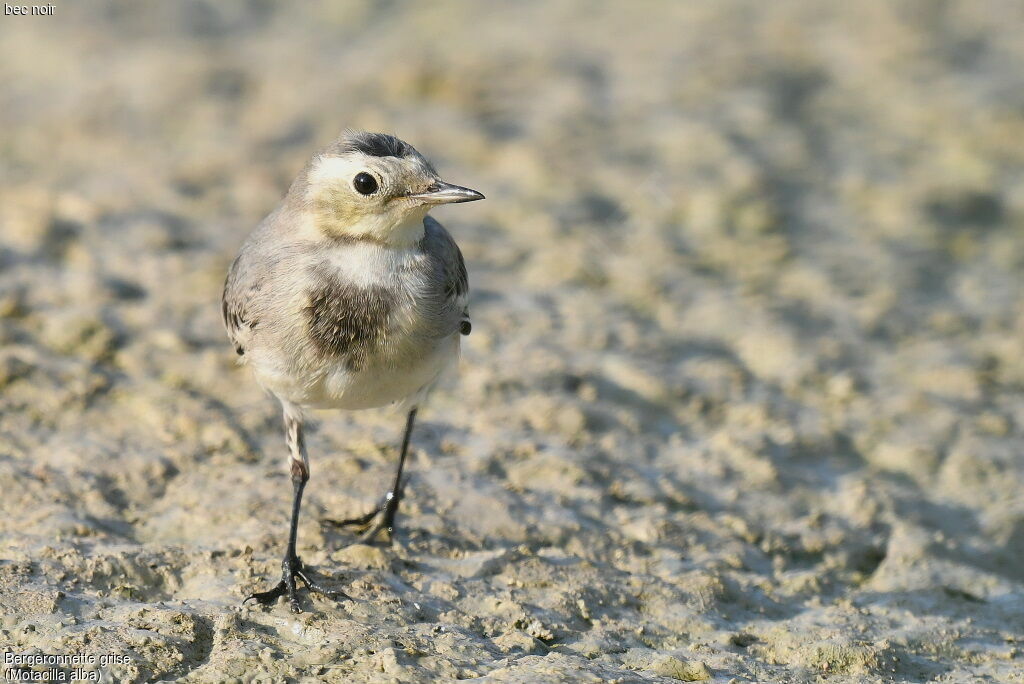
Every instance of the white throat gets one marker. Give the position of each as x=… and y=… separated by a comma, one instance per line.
x=409, y=231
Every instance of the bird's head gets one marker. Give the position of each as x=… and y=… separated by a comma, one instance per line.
x=377, y=187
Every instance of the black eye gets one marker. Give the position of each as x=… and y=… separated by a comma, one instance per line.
x=365, y=184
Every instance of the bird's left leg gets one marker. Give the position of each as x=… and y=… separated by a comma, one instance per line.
x=292, y=567
x=385, y=511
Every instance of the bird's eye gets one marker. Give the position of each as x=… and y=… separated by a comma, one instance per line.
x=364, y=183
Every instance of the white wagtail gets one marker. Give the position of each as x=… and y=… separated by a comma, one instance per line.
x=349, y=296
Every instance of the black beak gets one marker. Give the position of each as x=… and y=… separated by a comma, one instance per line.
x=446, y=193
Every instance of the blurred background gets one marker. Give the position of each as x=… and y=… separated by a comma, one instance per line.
x=743, y=397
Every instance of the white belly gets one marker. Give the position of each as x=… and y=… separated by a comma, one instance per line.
x=377, y=385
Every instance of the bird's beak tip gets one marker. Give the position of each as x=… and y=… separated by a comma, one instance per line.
x=447, y=193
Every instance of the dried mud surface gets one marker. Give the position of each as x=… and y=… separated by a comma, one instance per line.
x=744, y=396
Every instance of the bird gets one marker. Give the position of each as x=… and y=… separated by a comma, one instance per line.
x=349, y=296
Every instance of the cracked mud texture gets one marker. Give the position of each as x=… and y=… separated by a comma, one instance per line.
x=744, y=398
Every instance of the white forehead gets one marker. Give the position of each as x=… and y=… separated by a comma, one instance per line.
x=331, y=169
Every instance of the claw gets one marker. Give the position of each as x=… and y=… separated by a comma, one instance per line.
x=384, y=513
x=290, y=569
x=360, y=521
x=382, y=525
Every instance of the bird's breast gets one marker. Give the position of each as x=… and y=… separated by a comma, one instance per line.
x=373, y=343
x=369, y=308
x=349, y=322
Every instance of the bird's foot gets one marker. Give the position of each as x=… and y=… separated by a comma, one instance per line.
x=379, y=520
x=292, y=568
x=382, y=525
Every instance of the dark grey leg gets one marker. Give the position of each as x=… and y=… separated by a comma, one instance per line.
x=385, y=511
x=291, y=566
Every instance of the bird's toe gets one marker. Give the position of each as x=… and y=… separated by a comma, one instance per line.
x=292, y=569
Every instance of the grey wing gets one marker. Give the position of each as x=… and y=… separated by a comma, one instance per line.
x=235, y=310
x=451, y=268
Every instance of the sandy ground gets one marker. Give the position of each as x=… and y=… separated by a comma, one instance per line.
x=744, y=396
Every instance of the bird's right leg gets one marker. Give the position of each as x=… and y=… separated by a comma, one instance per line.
x=292, y=566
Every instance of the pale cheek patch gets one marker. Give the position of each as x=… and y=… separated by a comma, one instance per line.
x=330, y=192
x=333, y=214
x=340, y=212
